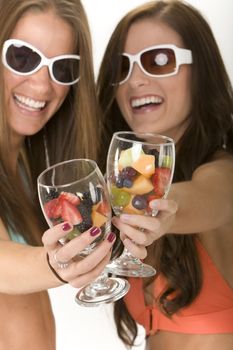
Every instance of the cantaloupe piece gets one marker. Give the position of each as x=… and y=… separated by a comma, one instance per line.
x=98, y=219
x=141, y=185
x=145, y=165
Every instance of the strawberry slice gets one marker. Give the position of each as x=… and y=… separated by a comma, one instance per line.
x=70, y=213
x=70, y=197
x=160, y=180
x=53, y=208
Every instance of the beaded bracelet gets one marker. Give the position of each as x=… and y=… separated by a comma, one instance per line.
x=53, y=271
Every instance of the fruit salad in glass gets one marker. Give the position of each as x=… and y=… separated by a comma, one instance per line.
x=139, y=169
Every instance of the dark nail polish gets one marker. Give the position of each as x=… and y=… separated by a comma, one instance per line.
x=111, y=237
x=94, y=231
x=66, y=226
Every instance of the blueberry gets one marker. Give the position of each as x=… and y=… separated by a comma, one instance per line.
x=53, y=193
x=119, y=182
x=127, y=183
x=139, y=202
x=128, y=172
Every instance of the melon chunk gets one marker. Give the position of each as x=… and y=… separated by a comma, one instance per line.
x=145, y=165
x=129, y=155
x=141, y=185
x=98, y=219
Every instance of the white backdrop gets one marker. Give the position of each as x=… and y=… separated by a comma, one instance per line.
x=93, y=328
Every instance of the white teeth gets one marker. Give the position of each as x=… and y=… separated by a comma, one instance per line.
x=145, y=100
x=29, y=102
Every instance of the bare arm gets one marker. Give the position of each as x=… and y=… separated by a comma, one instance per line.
x=203, y=204
x=206, y=202
x=24, y=269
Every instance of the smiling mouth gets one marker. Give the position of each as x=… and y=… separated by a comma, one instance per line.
x=29, y=103
x=146, y=101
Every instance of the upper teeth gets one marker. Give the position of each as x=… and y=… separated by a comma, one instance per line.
x=145, y=100
x=29, y=102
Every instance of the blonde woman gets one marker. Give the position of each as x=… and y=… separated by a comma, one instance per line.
x=47, y=106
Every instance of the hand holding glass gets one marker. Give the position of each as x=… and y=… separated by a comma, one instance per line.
x=75, y=191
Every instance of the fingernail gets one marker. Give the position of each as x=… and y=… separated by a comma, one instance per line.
x=111, y=237
x=125, y=217
x=66, y=226
x=154, y=204
x=94, y=231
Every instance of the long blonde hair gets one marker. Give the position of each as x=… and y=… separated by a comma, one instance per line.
x=72, y=132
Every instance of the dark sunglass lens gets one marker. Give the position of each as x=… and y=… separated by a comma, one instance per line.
x=66, y=70
x=159, y=61
x=22, y=59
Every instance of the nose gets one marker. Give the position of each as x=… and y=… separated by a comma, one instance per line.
x=137, y=76
x=41, y=79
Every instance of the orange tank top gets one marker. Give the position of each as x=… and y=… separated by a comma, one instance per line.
x=211, y=312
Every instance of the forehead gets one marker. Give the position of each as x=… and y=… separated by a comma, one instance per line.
x=46, y=31
x=149, y=32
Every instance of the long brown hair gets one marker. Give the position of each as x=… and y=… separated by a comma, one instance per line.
x=71, y=133
x=210, y=130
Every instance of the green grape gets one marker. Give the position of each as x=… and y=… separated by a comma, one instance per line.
x=120, y=198
x=167, y=162
x=74, y=233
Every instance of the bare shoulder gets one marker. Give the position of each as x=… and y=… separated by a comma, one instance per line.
x=221, y=164
x=217, y=176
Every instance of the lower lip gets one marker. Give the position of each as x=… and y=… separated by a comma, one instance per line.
x=146, y=109
x=27, y=110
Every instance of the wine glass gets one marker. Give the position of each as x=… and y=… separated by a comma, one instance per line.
x=140, y=168
x=75, y=191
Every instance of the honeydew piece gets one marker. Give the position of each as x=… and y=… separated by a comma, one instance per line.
x=129, y=155
x=141, y=185
x=98, y=219
x=125, y=159
x=145, y=165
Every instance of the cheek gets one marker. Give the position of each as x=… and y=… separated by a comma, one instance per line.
x=180, y=92
x=121, y=98
x=61, y=93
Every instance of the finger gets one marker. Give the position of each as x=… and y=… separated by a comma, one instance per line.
x=138, y=234
x=77, y=244
x=127, y=230
x=165, y=205
x=84, y=265
x=136, y=250
x=93, y=259
x=51, y=237
x=84, y=279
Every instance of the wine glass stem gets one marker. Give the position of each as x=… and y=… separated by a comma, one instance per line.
x=127, y=256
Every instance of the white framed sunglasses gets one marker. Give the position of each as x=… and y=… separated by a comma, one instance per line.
x=156, y=61
x=24, y=59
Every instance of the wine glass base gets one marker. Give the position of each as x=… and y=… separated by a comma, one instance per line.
x=132, y=268
x=116, y=289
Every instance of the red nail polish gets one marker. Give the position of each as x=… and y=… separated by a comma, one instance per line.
x=111, y=237
x=66, y=226
x=94, y=231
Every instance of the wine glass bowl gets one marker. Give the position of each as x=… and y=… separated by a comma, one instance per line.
x=139, y=169
x=75, y=191
x=75, y=194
